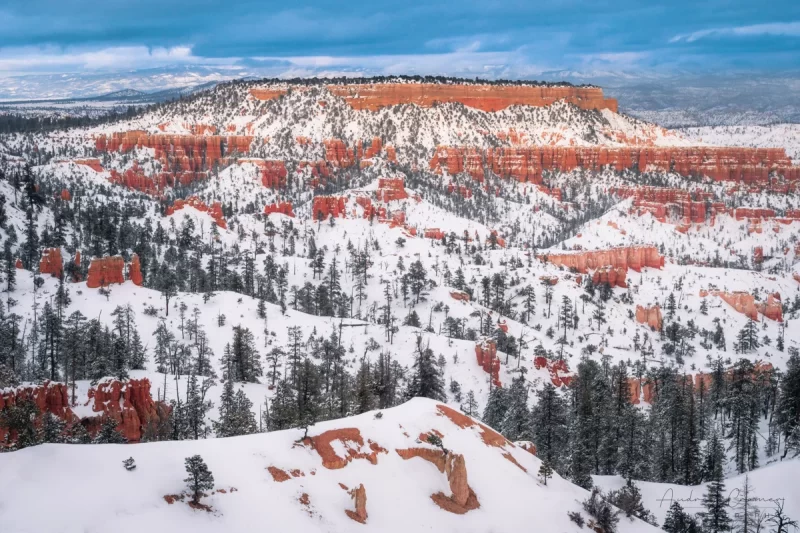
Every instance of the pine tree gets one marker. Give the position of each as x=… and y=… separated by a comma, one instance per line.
x=545, y=471
x=516, y=424
x=426, y=378
x=52, y=430
x=235, y=413
x=470, y=406
x=196, y=406
x=678, y=521
x=200, y=477
x=20, y=419
x=550, y=426
x=109, y=434
x=496, y=407
x=715, y=518
x=788, y=407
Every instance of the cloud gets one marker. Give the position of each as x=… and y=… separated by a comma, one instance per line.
x=789, y=29
x=56, y=59
x=467, y=61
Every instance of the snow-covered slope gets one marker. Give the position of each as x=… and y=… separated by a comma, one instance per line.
x=88, y=490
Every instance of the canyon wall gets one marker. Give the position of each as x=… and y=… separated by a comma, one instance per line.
x=525, y=164
x=490, y=98
x=633, y=257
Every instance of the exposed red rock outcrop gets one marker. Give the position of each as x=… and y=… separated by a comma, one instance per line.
x=328, y=206
x=511, y=458
x=273, y=172
x=650, y=316
x=93, y=163
x=484, y=97
x=489, y=436
x=277, y=474
x=65, y=195
x=661, y=201
x=18, y=263
x=614, y=276
x=184, y=158
x=749, y=165
x=266, y=93
x=459, y=295
x=49, y=397
x=558, y=369
x=390, y=189
x=129, y=404
x=105, y=271
x=772, y=308
x=215, y=211
x=633, y=257
x=348, y=437
x=284, y=208
x=135, y=271
x=744, y=302
x=51, y=262
x=434, y=456
x=433, y=233
x=486, y=353
x=463, y=498
x=359, y=495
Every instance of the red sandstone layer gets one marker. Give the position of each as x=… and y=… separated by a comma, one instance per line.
x=484, y=97
x=750, y=165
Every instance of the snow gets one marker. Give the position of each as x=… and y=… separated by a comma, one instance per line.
x=87, y=489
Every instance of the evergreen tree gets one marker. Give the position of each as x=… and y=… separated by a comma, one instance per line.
x=109, y=434
x=426, y=377
x=715, y=518
x=516, y=424
x=496, y=408
x=550, y=426
x=678, y=521
x=200, y=477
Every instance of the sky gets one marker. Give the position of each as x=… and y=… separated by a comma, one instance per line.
x=487, y=38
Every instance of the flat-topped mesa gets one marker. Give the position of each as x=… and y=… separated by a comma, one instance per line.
x=526, y=164
x=633, y=257
x=486, y=97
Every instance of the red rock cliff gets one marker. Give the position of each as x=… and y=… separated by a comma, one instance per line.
x=484, y=97
x=633, y=257
x=51, y=262
x=129, y=404
x=105, y=271
x=750, y=165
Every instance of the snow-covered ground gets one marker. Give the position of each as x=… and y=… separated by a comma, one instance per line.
x=503, y=477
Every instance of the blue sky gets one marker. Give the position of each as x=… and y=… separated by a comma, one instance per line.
x=515, y=39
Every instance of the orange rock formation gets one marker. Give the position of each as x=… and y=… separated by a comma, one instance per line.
x=105, y=271
x=285, y=208
x=51, y=262
x=650, y=316
x=484, y=97
x=486, y=354
x=633, y=257
x=135, y=271
x=129, y=404
x=749, y=165
x=359, y=495
x=353, y=443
